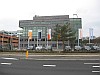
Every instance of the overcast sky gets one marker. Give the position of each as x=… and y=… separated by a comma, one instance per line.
x=11, y=11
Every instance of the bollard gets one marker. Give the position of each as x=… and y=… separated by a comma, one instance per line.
x=27, y=54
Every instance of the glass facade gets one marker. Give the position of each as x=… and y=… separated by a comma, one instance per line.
x=29, y=25
x=75, y=25
x=50, y=22
x=34, y=30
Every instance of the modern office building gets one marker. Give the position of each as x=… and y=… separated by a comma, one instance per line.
x=43, y=23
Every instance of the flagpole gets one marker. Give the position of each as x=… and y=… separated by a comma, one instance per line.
x=90, y=34
x=29, y=36
x=89, y=40
x=37, y=38
x=47, y=36
x=78, y=36
x=78, y=41
x=28, y=41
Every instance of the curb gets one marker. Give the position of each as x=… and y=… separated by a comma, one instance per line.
x=50, y=55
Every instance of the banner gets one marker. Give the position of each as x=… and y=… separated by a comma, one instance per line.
x=49, y=34
x=30, y=34
x=80, y=33
x=39, y=34
x=91, y=33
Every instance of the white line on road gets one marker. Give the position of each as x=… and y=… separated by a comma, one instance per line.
x=95, y=66
x=49, y=65
x=91, y=63
x=63, y=55
x=67, y=59
x=9, y=58
x=6, y=63
x=95, y=71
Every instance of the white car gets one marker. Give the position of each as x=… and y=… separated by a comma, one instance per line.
x=78, y=47
x=95, y=48
x=48, y=48
x=87, y=47
x=67, y=48
x=38, y=47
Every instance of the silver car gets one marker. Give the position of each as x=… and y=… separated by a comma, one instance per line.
x=96, y=48
x=78, y=47
x=38, y=47
x=87, y=47
x=48, y=47
x=67, y=48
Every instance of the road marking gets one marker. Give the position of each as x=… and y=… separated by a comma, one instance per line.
x=9, y=58
x=95, y=71
x=91, y=63
x=6, y=63
x=96, y=66
x=88, y=55
x=63, y=55
x=66, y=59
x=49, y=65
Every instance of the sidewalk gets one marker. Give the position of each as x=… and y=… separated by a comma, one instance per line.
x=51, y=54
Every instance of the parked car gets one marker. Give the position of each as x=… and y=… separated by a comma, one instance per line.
x=15, y=48
x=39, y=47
x=95, y=48
x=78, y=47
x=67, y=48
x=87, y=47
x=48, y=47
x=31, y=48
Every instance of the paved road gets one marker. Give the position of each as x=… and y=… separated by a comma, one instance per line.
x=14, y=66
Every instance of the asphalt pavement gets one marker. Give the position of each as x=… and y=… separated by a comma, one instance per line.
x=20, y=66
